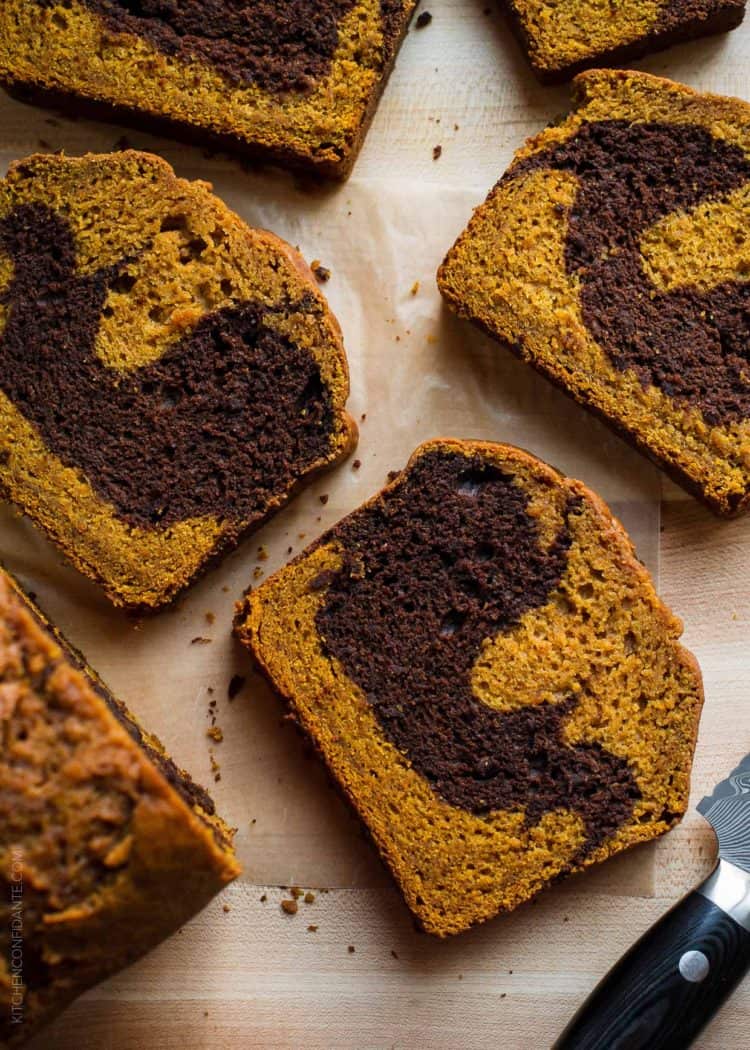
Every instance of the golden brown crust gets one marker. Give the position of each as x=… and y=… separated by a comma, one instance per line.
x=438, y=853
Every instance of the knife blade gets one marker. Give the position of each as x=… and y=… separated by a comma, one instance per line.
x=727, y=810
x=669, y=985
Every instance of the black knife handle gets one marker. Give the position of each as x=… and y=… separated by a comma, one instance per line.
x=668, y=986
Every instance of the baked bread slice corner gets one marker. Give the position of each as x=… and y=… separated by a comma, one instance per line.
x=168, y=376
x=106, y=846
x=295, y=84
x=564, y=38
x=489, y=675
x=613, y=257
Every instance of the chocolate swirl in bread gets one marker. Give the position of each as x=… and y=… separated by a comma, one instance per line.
x=443, y=561
x=230, y=414
x=693, y=344
x=279, y=47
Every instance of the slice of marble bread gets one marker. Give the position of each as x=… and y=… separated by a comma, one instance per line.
x=295, y=83
x=168, y=376
x=613, y=257
x=483, y=664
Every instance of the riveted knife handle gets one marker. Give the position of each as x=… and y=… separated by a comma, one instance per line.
x=669, y=985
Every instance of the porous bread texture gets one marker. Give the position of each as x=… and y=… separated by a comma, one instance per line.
x=189, y=255
x=561, y=38
x=112, y=858
x=66, y=52
x=603, y=636
x=507, y=274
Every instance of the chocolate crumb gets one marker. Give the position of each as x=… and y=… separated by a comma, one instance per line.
x=226, y=909
x=356, y=464
x=350, y=949
x=423, y=20
x=323, y=580
x=324, y=499
x=200, y=641
x=312, y=928
x=322, y=273
x=264, y=898
x=236, y=683
x=289, y=550
x=296, y=892
x=210, y=617
x=394, y=954
x=290, y=907
x=437, y=152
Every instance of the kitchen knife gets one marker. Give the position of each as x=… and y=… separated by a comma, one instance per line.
x=674, y=979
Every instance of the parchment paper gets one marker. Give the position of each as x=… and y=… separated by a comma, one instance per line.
x=417, y=372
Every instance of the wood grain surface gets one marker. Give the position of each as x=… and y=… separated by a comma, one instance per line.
x=245, y=974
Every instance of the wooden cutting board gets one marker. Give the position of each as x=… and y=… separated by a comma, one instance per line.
x=349, y=970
